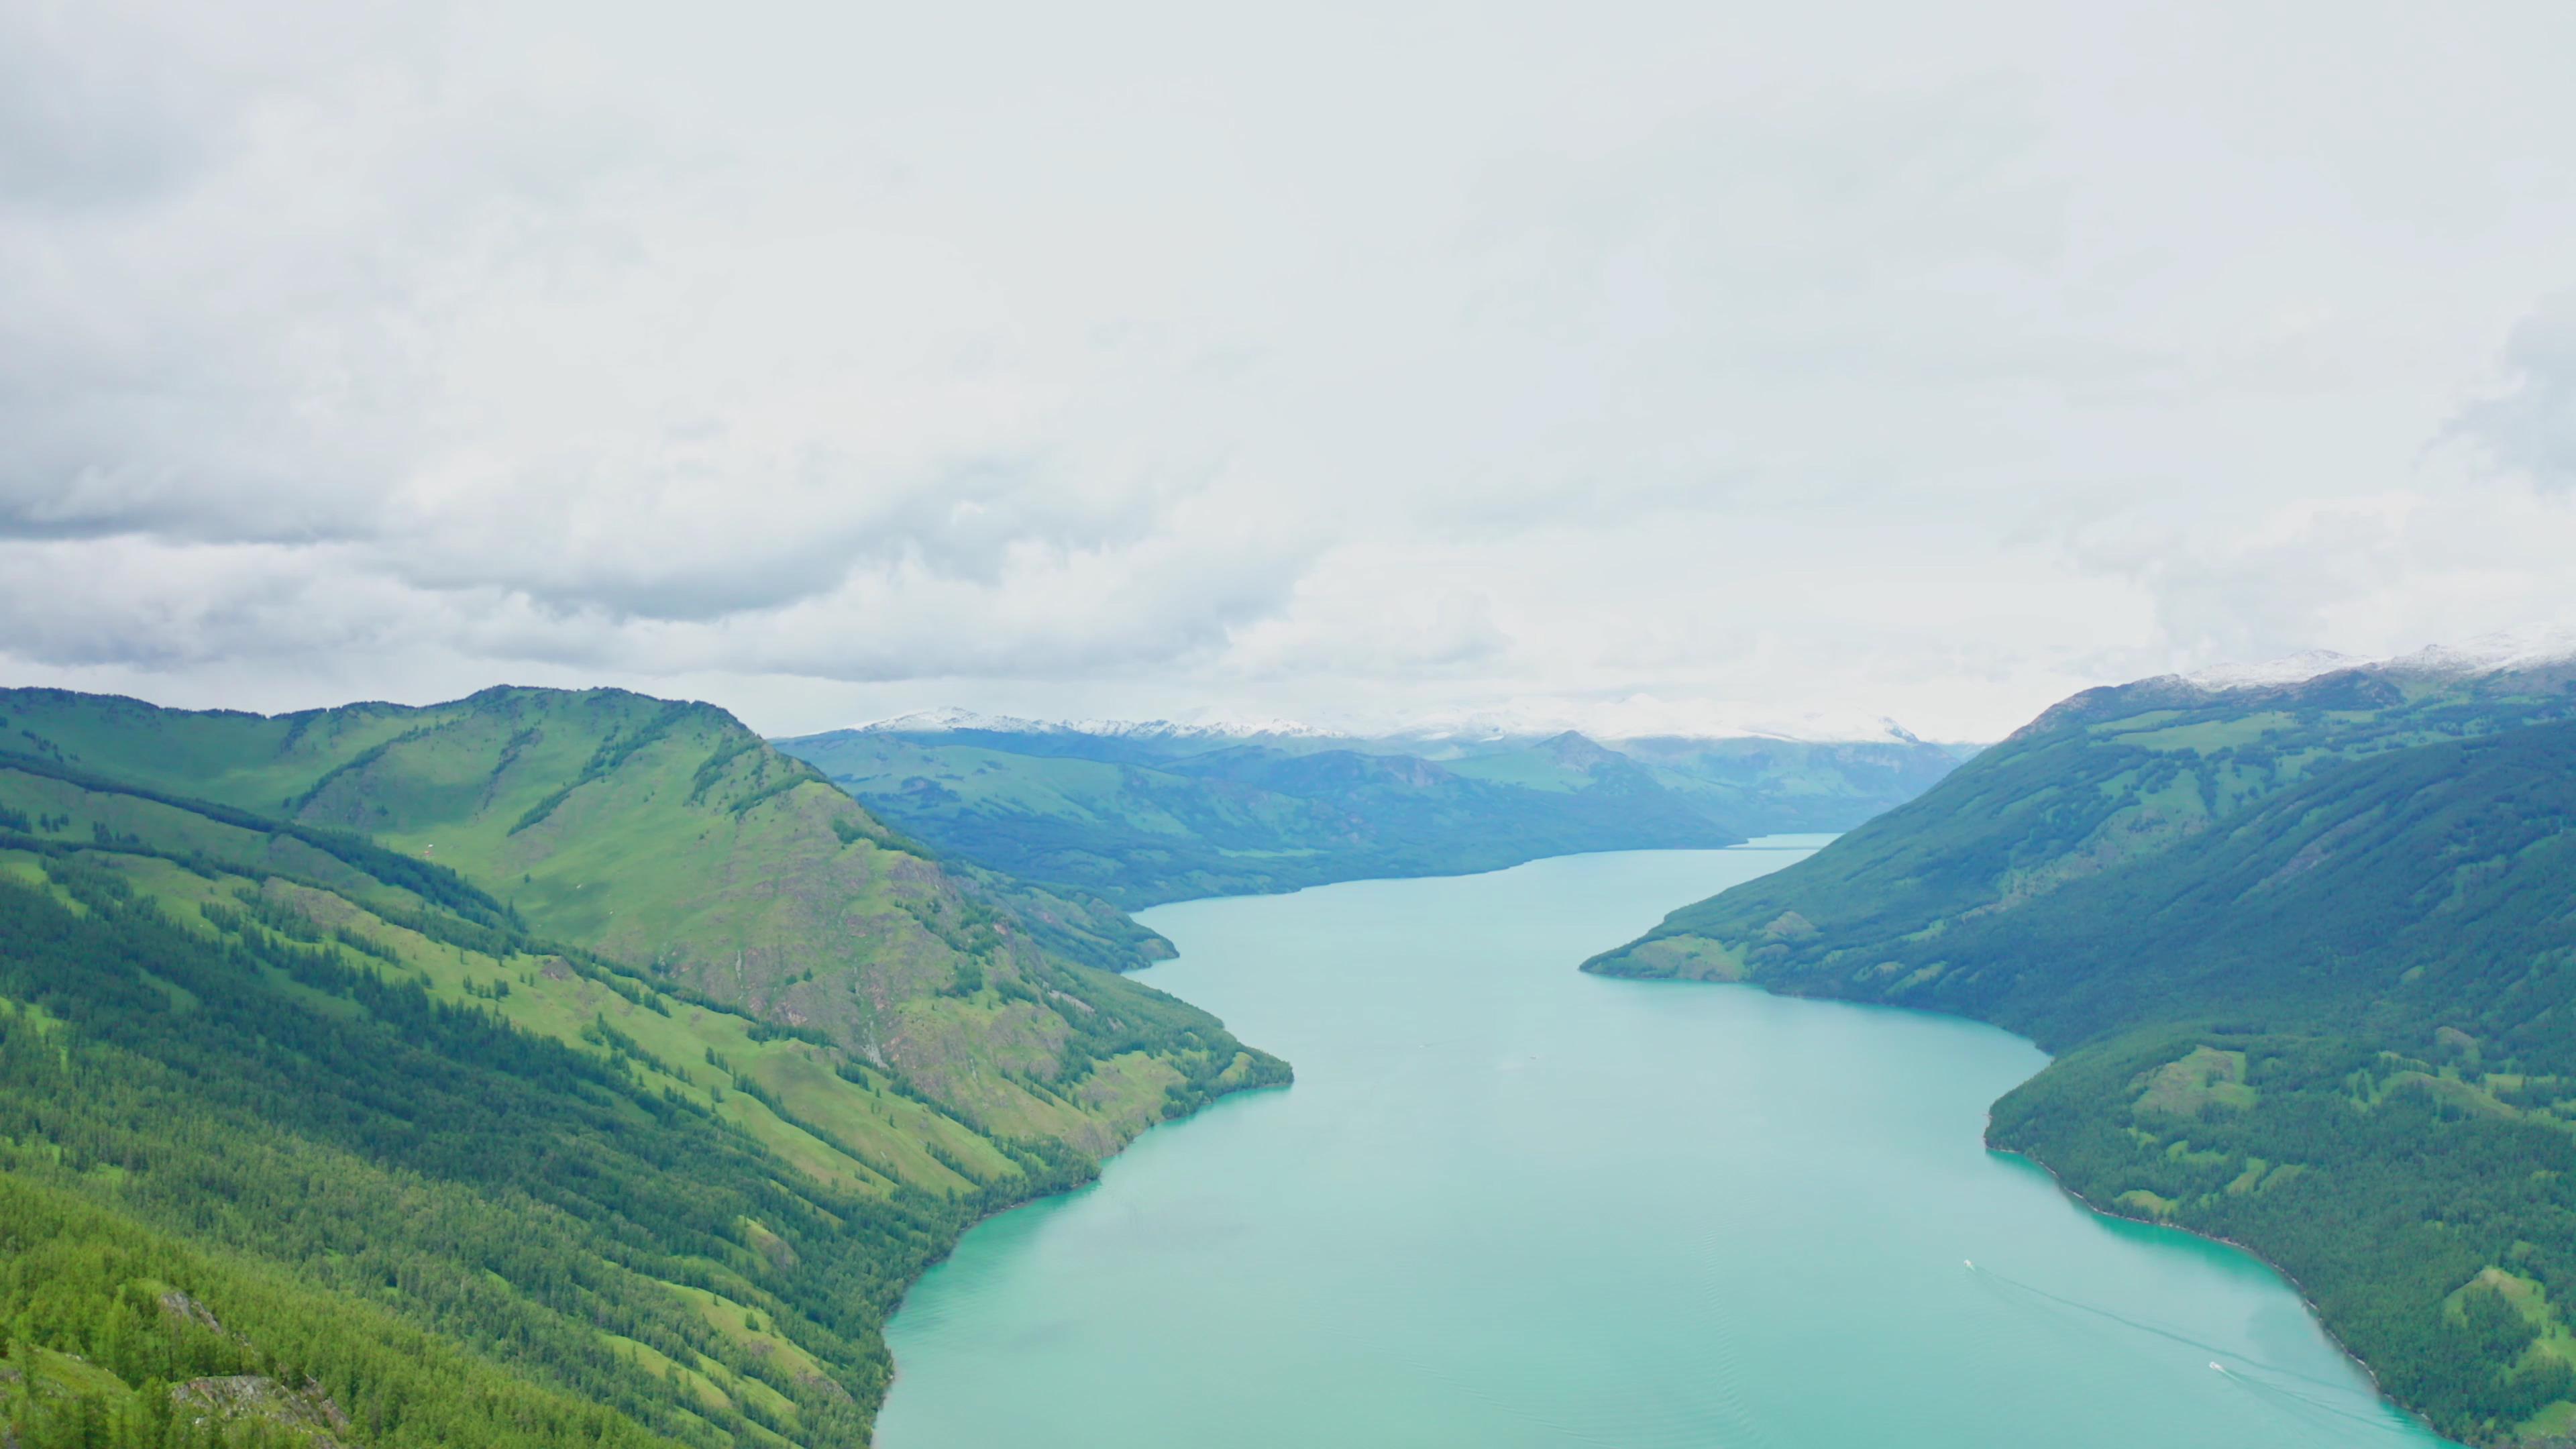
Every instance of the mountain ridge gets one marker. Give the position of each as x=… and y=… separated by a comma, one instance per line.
x=788, y=1054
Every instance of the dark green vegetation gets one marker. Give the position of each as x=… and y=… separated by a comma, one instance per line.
x=538, y=1069
x=2308, y=955
x=1143, y=818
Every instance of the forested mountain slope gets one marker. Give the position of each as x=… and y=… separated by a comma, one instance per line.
x=607, y=1089
x=1143, y=814
x=2308, y=955
x=1244, y=818
x=668, y=837
x=1768, y=786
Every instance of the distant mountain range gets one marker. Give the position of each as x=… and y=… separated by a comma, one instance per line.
x=1634, y=718
x=2304, y=940
x=952, y=720
x=1148, y=811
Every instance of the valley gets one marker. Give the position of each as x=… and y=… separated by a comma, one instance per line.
x=549, y=1067
x=1145, y=813
x=1130, y=726
x=1517, y=1206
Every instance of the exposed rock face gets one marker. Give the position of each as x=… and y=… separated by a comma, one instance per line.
x=188, y=1310
x=244, y=1398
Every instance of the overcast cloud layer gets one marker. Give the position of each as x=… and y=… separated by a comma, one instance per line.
x=831, y=361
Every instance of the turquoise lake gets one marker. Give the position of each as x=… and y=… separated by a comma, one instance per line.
x=1508, y=1204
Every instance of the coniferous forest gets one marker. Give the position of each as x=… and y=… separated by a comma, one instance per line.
x=2307, y=958
x=306, y=1139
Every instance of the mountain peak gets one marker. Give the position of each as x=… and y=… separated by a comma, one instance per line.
x=949, y=718
x=2506, y=651
x=2296, y=668
x=2503, y=652
x=1575, y=747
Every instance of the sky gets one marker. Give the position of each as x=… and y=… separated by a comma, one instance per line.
x=1353, y=363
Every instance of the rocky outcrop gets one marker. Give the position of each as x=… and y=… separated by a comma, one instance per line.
x=251, y=1398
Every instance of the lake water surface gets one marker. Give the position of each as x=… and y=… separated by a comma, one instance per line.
x=1506, y=1204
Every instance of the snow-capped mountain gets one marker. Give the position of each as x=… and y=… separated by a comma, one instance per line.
x=2289, y=669
x=2506, y=651
x=1645, y=716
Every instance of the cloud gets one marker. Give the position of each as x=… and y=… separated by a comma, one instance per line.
x=2388, y=573
x=852, y=359
x=2530, y=428
x=137, y=602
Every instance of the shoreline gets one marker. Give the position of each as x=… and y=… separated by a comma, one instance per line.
x=1750, y=845
x=2315, y=1315
x=2308, y=1305
x=894, y=1367
x=1985, y=1137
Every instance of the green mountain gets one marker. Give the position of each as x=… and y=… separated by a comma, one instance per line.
x=2307, y=957
x=1768, y=786
x=538, y=1068
x=1146, y=814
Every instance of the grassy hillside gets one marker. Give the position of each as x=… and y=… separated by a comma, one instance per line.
x=2308, y=960
x=1146, y=818
x=669, y=838
x=620, y=1056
